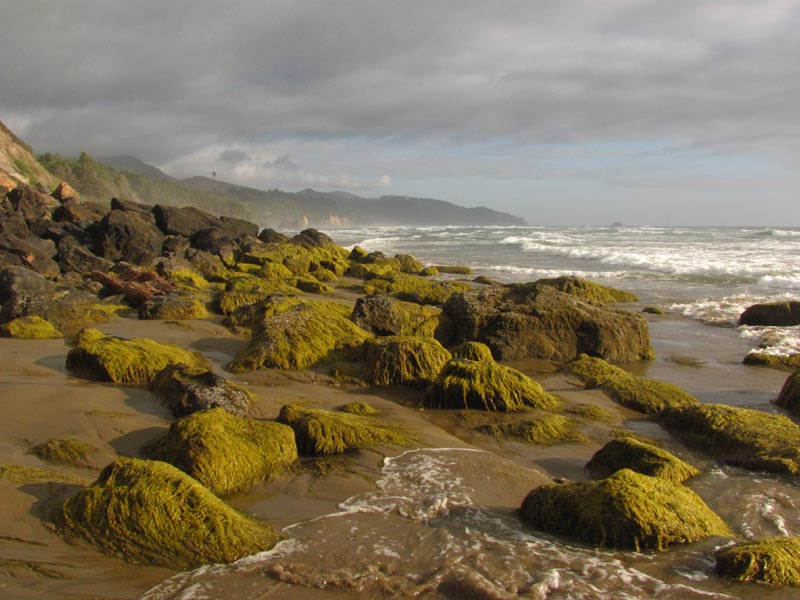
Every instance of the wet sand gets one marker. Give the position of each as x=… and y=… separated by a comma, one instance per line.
x=40, y=400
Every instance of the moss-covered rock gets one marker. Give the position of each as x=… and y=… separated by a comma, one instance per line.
x=320, y=432
x=29, y=328
x=173, y=307
x=384, y=315
x=312, y=286
x=184, y=278
x=149, y=512
x=638, y=393
x=186, y=390
x=429, y=271
x=545, y=430
x=70, y=452
x=402, y=360
x=627, y=510
x=779, y=314
x=473, y=351
x=422, y=291
x=774, y=561
x=486, y=386
x=483, y=280
x=592, y=412
x=224, y=452
x=534, y=320
x=588, y=291
x=454, y=269
x=300, y=336
x=359, y=408
x=134, y=361
x=751, y=439
x=369, y=271
x=785, y=362
x=789, y=398
x=628, y=453
x=273, y=271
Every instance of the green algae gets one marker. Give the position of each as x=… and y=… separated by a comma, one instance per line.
x=29, y=328
x=177, y=309
x=275, y=271
x=189, y=389
x=149, y=512
x=626, y=510
x=789, y=397
x=321, y=432
x=486, y=386
x=301, y=335
x=384, y=315
x=588, y=291
x=20, y=474
x=637, y=393
x=186, y=279
x=325, y=275
x=224, y=452
x=783, y=362
x=628, y=453
x=422, y=291
x=473, y=351
x=402, y=360
x=592, y=412
x=312, y=286
x=545, y=430
x=134, y=361
x=454, y=269
x=63, y=451
x=773, y=561
x=429, y=271
x=359, y=408
x=751, y=439
x=483, y=280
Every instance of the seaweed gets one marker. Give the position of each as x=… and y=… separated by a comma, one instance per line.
x=135, y=361
x=751, y=439
x=473, y=351
x=20, y=474
x=359, y=408
x=29, y=328
x=63, y=451
x=588, y=291
x=774, y=561
x=321, y=432
x=149, y=512
x=393, y=360
x=626, y=510
x=638, y=393
x=628, y=453
x=592, y=412
x=546, y=430
x=486, y=386
x=224, y=452
x=783, y=362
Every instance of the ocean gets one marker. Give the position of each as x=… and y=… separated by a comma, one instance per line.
x=434, y=527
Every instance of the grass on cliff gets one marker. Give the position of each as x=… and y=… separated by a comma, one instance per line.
x=134, y=361
x=224, y=452
x=321, y=432
x=638, y=393
x=627, y=510
x=149, y=512
x=486, y=386
x=751, y=439
x=396, y=360
x=628, y=453
x=546, y=430
x=29, y=328
x=63, y=451
x=774, y=561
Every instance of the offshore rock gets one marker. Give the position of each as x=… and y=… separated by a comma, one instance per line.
x=537, y=321
x=789, y=398
x=628, y=453
x=774, y=561
x=778, y=314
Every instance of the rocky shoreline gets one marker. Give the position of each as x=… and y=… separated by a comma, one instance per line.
x=188, y=324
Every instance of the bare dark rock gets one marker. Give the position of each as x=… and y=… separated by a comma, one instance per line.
x=239, y=227
x=217, y=242
x=144, y=211
x=124, y=235
x=23, y=293
x=270, y=236
x=778, y=314
x=73, y=256
x=185, y=390
x=73, y=211
x=311, y=238
x=175, y=245
x=172, y=220
x=32, y=252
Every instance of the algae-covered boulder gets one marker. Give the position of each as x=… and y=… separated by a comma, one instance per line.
x=751, y=439
x=186, y=390
x=149, y=512
x=785, y=362
x=789, y=398
x=29, y=328
x=383, y=315
x=538, y=321
x=486, y=386
x=420, y=290
x=63, y=451
x=359, y=408
x=134, y=361
x=588, y=291
x=774, y=561
x=394, y=360
x=320, y=432
x=638, y=393
x=545, y=430
x=627, y=510
x=173, y=307
x=780, y=314
x=224, y=452
x=628, y=453
x=300, y=336
x=473, y=351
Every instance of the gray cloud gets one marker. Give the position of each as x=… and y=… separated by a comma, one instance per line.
x=328, y=80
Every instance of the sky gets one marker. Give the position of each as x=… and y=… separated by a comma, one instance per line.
x=678, y=112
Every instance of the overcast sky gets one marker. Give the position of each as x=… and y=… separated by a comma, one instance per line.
x=563, y=112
